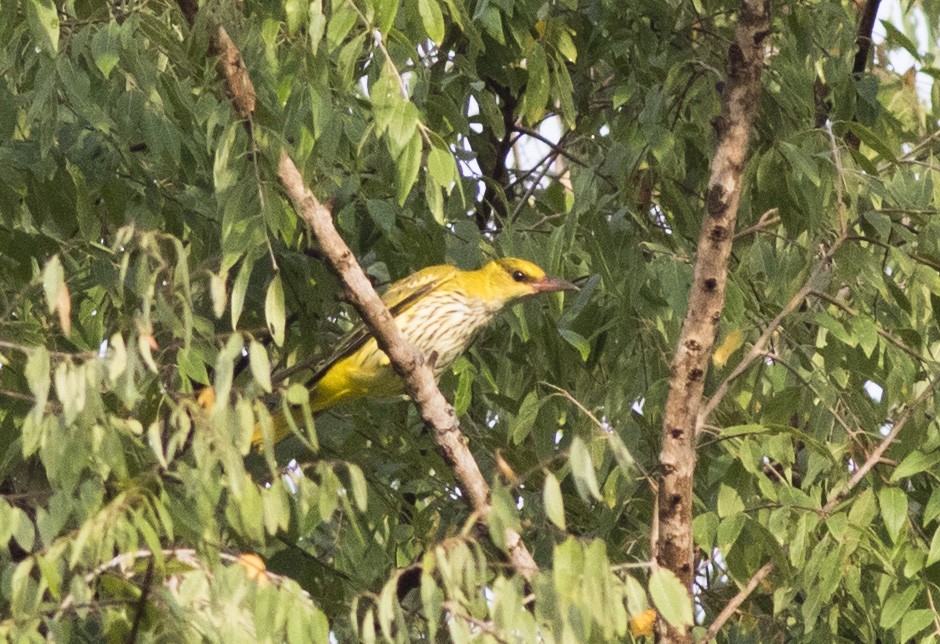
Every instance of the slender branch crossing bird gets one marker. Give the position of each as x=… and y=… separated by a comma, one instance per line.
x=439, y=311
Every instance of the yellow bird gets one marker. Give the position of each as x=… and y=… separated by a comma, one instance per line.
x=439, y=310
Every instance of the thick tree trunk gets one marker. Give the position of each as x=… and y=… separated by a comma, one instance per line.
x=706, y=299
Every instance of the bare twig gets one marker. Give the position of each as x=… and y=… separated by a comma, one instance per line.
x=875, y=457
x=732, y=606
x=409, y=364
x=706, y=298
x=768, y=219
x=556, y=147
x=142, y=601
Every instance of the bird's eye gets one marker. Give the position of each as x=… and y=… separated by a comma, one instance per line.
x=519, y=276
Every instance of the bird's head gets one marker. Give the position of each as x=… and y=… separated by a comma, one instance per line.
x=510, y=278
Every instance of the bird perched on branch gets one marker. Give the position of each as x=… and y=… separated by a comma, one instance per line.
x=439, y=310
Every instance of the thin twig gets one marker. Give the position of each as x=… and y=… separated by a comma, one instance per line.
x=732, y=606
x=142, y=602
x=531, y=189
x=768, y=219
x=556, y=147
x=876, y=456
x=484, y=627
x=758, y=349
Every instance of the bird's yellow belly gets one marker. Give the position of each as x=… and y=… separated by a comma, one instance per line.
x=441, y=328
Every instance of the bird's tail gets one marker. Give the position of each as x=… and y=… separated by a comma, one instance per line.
x=281, y=425
x=280, y=428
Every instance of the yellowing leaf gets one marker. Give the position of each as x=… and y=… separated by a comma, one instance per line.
x=64, y=308
x=254, y=568
x=642, y=624
x=726, y=349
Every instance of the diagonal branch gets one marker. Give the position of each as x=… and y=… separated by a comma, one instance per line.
x=706, y=298
x=732, y=606
x=410, y=365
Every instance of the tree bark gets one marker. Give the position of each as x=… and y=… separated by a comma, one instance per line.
x=706, y=299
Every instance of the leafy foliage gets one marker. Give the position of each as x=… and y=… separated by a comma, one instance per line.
x=148, y=252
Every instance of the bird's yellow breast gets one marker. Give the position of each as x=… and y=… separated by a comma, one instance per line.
x=441, y=326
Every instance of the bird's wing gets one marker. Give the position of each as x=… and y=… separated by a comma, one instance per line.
x=399, y=297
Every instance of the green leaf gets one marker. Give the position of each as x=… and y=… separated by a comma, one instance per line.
x=407, y=167
x=217, y=293
x=582, y=468
x=522, y=424
x=294, y=11
x=89, y=224
x=552, y=498
x=441, y=167
x=402, y=125
x=386, y=11
x=933, y=555
x=537, y=86
x=464, y=393
x=914, y=463
x=223, y=173
x=578, y=341
x=800, y=162
x=24, y=533
x=433, y=19
x=729, y=501
x=53, y=282
x=105, y=48
x=566, y=46
x=866, y=332
x=432, y=598
x=274, y=310
x=873, y=140
x=358, y=484
x=341, y=23
x=932, y=509
x=896, y=36
x=893, y=502
x=913, y=622
x=383, y=213
x=896, y=606
x=435, y=200
x=260, y=365
x=316, y=25
x=43, y=20
x=729, y=530
x=504, y=516
x=671, y=598
x=238, y=291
